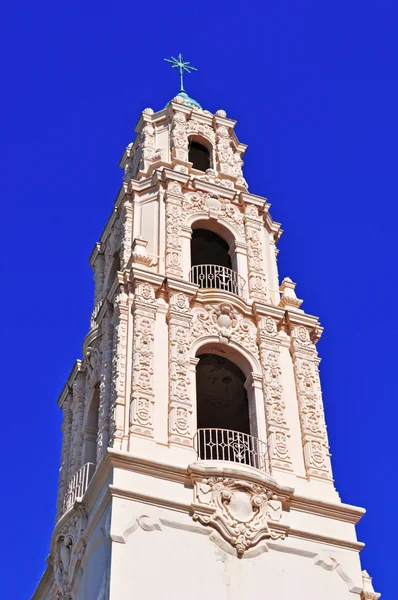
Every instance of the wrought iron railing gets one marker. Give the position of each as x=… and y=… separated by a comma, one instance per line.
x=219, y=278
x=233, y=446
x=78, y=484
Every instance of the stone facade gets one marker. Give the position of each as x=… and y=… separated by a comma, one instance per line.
x=141, y=510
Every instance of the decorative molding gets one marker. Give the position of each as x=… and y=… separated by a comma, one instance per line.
x=277, y=429
x=309, y=395
x=180, y=404
x=142, y=395
x=255, y=253
x=243, y=512
x=225, y=321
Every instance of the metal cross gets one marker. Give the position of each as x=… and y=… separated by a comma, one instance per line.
x=181, y=65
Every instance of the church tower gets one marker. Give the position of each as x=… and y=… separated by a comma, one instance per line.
x=195, y=459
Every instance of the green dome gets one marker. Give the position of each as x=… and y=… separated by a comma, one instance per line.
x=187, y=101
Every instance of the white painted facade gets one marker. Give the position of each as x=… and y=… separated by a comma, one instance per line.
x=147, y=506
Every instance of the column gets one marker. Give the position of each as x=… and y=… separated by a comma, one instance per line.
x=181, y=429
x=105, y=385
x=118, y=400
x=256, y=275
x=277, y=428
x=79, y=387
x=174, y=221
x=142, y=387
x=312, y=420
x=65, y=454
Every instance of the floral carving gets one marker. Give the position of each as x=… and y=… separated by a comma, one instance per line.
x=68, y=552
x=238, y=510
x=214, y=206
x=227, y=323
x=277, y=429
x=229, y=159
x=253, y=226
x=312, y=420
x=180, y=408
x=174, y=222
x=142, y=399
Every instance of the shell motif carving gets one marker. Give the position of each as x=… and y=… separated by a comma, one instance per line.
x=238, y=510
x=227, y=323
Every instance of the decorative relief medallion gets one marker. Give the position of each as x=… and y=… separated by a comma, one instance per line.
x=227, y=323
x=241, y=511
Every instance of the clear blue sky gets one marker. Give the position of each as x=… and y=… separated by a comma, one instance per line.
x=313, y=86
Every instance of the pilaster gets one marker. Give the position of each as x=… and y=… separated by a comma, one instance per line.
x=309, y=395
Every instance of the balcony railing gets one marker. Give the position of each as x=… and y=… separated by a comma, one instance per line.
x=219, y=278
x=78, y=484
x=233, y=446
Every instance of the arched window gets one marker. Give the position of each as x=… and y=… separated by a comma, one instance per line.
x=91, y=429
x=211, y=264
x=221, y=395
x=226, y=410
x=208, y=248
x=199, y=156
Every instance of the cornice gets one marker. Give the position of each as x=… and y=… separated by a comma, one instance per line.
x=206, y=186
x=176, y=284
x=77, y=368
x=331, y=510
x=332, y=541
x=204, y=296
x=219, y=469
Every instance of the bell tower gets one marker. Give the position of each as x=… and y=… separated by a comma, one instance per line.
x=195, y=459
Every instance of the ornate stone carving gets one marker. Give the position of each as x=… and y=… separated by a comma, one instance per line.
x=67, y=555
x=142, y=398
x=239, y=510
x=201, y=129
x=227, y=323
x=174, y=222
x=368, y=592
x=180, y=406
x=255, y=256
x=214, y=206
x=139, y=252
x=312, y=420
x=119, y=359
x=79, y=386
x=277, y=429
x=229, y=159
x=65, y=455
x=105, y=386
x=289, y=299
x=179, y=135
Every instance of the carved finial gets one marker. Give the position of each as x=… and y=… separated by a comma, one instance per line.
x=289, y=299
x=368, y=592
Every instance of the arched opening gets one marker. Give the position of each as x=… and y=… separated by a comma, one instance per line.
x=209, y=248
x=91, y=429
x=227, y=405
x=222, y=401
x=211, y=264
x=199, y=156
